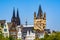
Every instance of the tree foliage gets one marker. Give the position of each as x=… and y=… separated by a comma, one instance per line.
x=6, y=38
x=53, y=36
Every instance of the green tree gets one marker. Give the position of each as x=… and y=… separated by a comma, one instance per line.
x=1, y=35
x=53, y=36
x=36, y=38
x=18, y=39
x=11, y=38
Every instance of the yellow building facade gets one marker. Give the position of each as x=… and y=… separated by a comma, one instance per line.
x=0, y=30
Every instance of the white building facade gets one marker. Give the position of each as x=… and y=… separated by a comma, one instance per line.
x=19, y=34
x=30, y=36
x=5, y=30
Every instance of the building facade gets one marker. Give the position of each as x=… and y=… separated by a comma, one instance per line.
x=28, y=32
x=19, y=34
x=0, y=30
x=13, y=31
x=5, y=30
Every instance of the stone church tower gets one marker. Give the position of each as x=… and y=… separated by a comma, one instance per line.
x=40, y=20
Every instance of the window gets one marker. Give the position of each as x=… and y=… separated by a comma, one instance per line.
x=13, y=28
x=14, y=37
x=2, y=25
x=13, y=33
x=6, y=34
x=5, y=30
x=19, y=34
x=5, y=25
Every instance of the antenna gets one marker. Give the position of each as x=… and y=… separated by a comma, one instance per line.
x=26, y=22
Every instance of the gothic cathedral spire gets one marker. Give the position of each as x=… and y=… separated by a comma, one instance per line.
x=44, y=16
x=18, y=18
x=34, y=15
x=17, y=14
x=13, y=16
x=13, y=13
x=39, y=15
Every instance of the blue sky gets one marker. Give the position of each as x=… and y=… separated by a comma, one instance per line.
x=26, y=10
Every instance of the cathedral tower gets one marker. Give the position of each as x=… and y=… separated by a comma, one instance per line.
x=15, y=19
x=15, y=22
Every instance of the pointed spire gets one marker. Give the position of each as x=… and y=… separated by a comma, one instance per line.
x=45, y=15
x=13, y=13
x=39, y=15
x=18, y=18
x=17, y=14
x=34, y=15
x=26, y=22
x=40, y=9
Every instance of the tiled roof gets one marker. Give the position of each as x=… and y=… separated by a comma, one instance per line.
x=28, y=25
x=2, y=21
